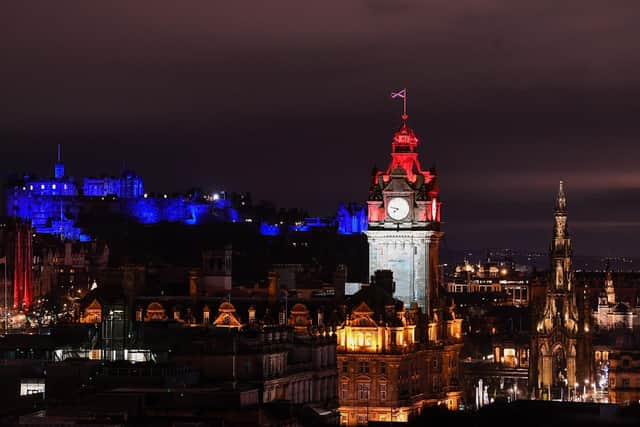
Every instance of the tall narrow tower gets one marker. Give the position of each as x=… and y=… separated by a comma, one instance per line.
x=58, y=171
x=404, y=223
x=560, y=353
x=608, y=286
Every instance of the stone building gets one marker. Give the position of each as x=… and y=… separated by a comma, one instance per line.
x=561, y=355
x=393, y=362
x=404, y=222
x=624, y=368
x=398, y=346
x=611, y=312
x=294, y=361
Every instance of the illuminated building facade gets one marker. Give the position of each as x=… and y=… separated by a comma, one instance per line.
x=492, y=277
x=404, y=222
x=392, y=362
x=16, y=239
x=611, y=313
x=561, y=357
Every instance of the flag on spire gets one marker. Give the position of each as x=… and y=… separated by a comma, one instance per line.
x=400, y=94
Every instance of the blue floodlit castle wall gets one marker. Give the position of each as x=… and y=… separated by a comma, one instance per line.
x=127, y=186
x=53, y=205
x=350, y=219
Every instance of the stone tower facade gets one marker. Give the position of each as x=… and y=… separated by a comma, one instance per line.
x=404, y=223
x=561, y=344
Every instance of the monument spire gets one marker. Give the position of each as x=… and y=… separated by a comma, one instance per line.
x=561, y=204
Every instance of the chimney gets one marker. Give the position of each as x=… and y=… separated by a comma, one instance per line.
x=384, y=280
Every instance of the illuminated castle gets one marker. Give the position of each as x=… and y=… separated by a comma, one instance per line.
x=54, y=204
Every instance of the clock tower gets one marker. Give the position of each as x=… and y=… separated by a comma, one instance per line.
x=404, y=223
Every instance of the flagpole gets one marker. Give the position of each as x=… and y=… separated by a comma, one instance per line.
x=404, y=103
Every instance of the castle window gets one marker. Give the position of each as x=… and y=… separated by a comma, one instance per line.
x=625, y=383
x=625, y=363
x=364, y=367
x=383, y=392
x=345, y=367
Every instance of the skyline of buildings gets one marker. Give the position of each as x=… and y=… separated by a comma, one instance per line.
x=351, y=320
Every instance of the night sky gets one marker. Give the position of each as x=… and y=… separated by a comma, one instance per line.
x=289, y=99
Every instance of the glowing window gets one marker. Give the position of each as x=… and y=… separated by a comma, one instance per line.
x=31, y=386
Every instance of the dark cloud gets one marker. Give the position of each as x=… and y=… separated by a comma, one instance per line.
x=289, y=99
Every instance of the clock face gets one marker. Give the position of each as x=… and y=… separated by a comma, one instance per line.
x=398, y=208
